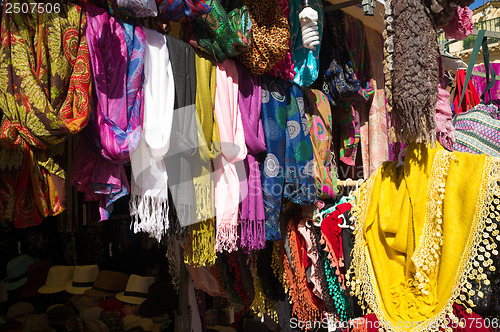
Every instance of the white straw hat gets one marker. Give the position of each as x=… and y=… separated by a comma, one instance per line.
x=137, y=289
x=83, y=279
x=57, y=278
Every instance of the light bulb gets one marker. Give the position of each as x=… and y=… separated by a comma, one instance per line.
x=309, y=22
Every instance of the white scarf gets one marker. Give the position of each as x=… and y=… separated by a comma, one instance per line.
x=149, y=192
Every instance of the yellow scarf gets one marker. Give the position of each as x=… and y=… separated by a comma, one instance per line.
x=424, y=234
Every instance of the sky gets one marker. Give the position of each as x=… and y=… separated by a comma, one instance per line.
x=477, y=3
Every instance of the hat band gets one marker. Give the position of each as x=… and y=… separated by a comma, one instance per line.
x=136, y=294
x=19, y=277
x=104, y=290
x=82, y=284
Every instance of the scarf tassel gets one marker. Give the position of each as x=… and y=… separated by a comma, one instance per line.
x=253, y=234
x=227, y=236
x=202, y=248
x=150, y=215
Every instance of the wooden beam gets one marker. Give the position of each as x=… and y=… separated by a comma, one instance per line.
x=350, y=3
x=488, y=34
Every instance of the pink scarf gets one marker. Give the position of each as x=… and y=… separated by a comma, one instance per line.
x=233, y=152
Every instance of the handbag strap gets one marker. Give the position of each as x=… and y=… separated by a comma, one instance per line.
x=481, y=41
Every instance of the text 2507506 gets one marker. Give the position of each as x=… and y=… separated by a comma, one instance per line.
x=25, y=8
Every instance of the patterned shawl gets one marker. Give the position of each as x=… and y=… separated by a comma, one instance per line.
x=288, y=169
x=117, y=58
x=44, y=96
x=179, y=10
x=252, y=216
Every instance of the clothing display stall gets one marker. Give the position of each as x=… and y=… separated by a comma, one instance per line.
x=246, y=165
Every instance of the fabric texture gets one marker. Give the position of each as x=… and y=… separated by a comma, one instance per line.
x=233, y=152
x=479, y=83
x=320, y=121
x=133, y=8
x=478, y=130
x=288, y=169
x=305, y=60
x=149, y=189
x=461, y=25
x=269, y=36
x=471, y=97
x=181, y=10
x=422, y=231
x=183, y=155
x=252, y=216
x=115, y=127
x=223, y=34
x=45, y=90
x=200, y=246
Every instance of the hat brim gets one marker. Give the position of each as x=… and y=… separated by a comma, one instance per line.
x=130, y=299
x=98, y=293
x=75, y=290
x=50, y=289
x=10, y=286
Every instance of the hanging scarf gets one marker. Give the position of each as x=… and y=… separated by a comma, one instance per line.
x=200, y=246
x=181, y=10
x=471, y=97
x=284, y=68
x=149, y=196
x=183, y=154
x=424, y=234
x=115, y=129
x=305, y=60
x=320, y=122
x=44, y=97
x=253, y=236
x=288, y=169
x=233, y=150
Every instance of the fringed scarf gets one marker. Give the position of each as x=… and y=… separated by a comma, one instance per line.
x=288, y=169
x=252, y=229
x=183, y=154
x=233, y=150
x=149, y=196
x=414, y=78
x=44, y=97
x=425, y=234
x=117, y=58
x=200, y=243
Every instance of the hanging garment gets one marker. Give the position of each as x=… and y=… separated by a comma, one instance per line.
x=284, y=68
x=471, y=97
x=115, y=127
x=305, y=60
x=233, y=151
x=45, y=92
x=149, y=189
x=181, y=10
x=252, y=216
x=223, y=34
x=183, y=155
x=348, y=120
x=319, y=119
x=424, y=234
x=480, y=83
x=288, y=169
x=478, y=130
x=200, y=243
x=269, y=36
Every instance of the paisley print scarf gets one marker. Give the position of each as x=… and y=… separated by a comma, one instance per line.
x=44, y=96
x=115, y=128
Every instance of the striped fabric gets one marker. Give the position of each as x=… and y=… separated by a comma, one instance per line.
x=478, y=130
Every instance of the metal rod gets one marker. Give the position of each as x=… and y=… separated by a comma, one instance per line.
x=488, y=34
x=349, y=183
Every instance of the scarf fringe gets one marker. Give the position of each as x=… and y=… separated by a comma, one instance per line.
x=200, y=246
x=253, y=234
x=204, y=202
x=150, y=215
x=227, y=236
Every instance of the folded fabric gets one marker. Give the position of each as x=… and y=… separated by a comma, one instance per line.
x=180, y=10
x=233, y=152
x=149, y=189
x=223, y=34
x=424, y=235
x=44, y=98
x=115, y=128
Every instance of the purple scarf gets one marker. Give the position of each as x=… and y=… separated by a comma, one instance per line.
x=252, y=215
x=117, y=59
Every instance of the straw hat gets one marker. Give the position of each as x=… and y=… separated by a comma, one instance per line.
x=56, y=279
x=137, y=289
x=91, y=314
x=161, y=298
x=133, y=321
x=20, y=309
x=58, y=314
x=82, y=302
x=37, y=275
x=16, y=271
x=83, y=279
x=108, y=283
